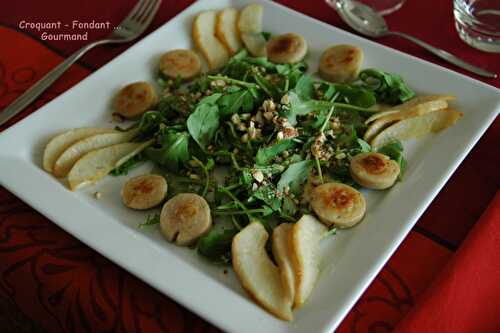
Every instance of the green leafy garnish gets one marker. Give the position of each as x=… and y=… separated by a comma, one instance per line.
x=266, y=154
x=271, y=126
x=294, y=176
x=151, y=219
x=216, y=245
x=389, y=88
x=238, y=101
x=204, y=121
x=170, y=151
x=130, y=164
x=394, y=150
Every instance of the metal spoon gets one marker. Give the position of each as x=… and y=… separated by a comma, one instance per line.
x=368, y=22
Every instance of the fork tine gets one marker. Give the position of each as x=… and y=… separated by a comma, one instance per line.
x=140, y=16
x=134, y=11
x=148, y=17
x=141, y=12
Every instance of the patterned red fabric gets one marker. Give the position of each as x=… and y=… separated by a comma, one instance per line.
x=67, y=287
x=466, y=296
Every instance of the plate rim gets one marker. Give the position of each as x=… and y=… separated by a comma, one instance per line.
x=220, y=322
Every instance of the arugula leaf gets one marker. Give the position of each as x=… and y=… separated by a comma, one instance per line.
x=265, y=155
x=270, y=89
x=261, y=62
x=204, y=121
x=389, y=88
x=267, y=194
x=267, y=210
x=150, y=220
x=129, y=165
x=395, y=150
x=216, y=245
x=294, y=176
x=356, y=95
x=266, y=35
x=173, y=104
x=301, y=107
x=172, y=151
x=365, y=146
x=150, y=123
x=206, y=168
x=289, y=208
x=270, y=170
x=236, y=101
x=304, y=87
x=210, y=99
x=246, y=177
x=331, y=232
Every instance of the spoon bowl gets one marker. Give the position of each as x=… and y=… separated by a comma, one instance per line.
x=361, y=18
x=369, y=22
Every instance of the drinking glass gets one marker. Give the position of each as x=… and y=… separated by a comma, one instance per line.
x=478, y=23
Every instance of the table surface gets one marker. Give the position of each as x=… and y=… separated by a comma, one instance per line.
x=59, y=284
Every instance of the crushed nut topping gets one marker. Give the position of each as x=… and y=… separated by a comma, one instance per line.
x=258, y=176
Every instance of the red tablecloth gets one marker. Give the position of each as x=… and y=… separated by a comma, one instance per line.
x=63, y=285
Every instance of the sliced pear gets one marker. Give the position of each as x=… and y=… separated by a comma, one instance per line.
x=417, y=127
x=98, y=163
x=250, y=29
x=255, y=43
x=58, y=144
x=376, y=127
x=283, y=255
x=250, y=19
x=74, y=152
x=257, y=273
x=416, y=106
x=226, y=30
x=204, y=37
x=304, y=241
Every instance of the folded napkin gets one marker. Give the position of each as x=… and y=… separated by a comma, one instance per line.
x=466, y=295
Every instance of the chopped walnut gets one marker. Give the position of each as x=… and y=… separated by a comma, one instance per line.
x=218, y=83
x=319, y=150
x=290, y=132
x=340, y=156
x=268, y=115
x=268, y=105
x=258, y=118
x=235, y=119
x=335, y=123
x=285, y=99
x=258, y=176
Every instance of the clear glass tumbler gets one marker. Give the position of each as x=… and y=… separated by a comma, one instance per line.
x=478, y=23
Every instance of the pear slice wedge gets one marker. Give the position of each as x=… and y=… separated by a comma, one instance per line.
x=98, y=163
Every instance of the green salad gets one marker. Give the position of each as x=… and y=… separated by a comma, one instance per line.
x=272, y=128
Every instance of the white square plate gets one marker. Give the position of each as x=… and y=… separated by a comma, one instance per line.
x=351, y=259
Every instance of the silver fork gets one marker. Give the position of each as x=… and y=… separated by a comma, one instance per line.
x=129, y=29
